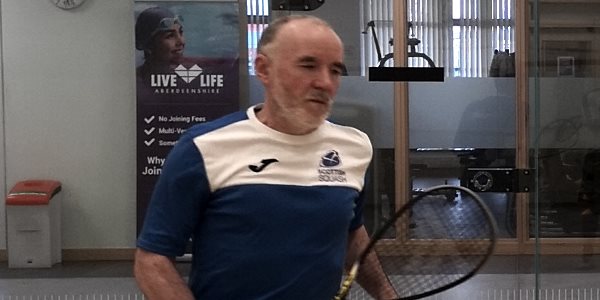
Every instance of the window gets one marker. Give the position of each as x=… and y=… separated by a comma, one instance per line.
x=480, y=29
x=258, y=19
x=459, y=35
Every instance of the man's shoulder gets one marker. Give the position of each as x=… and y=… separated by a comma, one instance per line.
x=349, y=137
x=347, y=131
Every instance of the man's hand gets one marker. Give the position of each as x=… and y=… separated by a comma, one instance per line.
x=158, y=278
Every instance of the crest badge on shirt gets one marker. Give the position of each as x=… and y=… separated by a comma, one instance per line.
x=329, y=170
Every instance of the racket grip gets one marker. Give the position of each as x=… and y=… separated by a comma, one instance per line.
x=345, y=288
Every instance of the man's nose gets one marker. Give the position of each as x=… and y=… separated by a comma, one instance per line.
x=325, y=80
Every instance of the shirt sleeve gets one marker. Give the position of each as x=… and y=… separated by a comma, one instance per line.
x=179, y=197
x=358, y=219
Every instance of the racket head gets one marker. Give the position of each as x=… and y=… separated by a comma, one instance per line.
x=448, y=239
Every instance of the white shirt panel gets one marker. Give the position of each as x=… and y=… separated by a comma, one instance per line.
x=331, y=155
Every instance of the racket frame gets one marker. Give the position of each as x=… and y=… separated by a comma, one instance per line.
x=353, y=273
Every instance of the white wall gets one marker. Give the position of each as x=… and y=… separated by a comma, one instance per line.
x=70, y=113
x=2, y=160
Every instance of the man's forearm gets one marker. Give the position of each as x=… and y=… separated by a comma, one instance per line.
x=158, y=278
x=373, y=279
x=371, y=276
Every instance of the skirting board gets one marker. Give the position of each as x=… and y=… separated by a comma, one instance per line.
x=89, y=254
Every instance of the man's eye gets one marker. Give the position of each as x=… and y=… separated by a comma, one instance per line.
x=307, y=66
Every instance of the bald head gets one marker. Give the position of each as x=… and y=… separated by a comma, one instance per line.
x=269, y=36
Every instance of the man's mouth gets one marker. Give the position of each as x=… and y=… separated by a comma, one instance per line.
x=319, y=98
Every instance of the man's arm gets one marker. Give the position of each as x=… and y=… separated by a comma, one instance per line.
x=370, y=275
x=157, y=277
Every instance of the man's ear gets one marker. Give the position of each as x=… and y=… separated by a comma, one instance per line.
x=261, y=67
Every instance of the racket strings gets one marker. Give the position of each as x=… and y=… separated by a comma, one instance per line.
x=446, y=243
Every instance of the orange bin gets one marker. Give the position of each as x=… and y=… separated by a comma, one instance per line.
x=33, y=224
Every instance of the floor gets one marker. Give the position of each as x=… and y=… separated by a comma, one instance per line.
x=70, y=280
x=502, y=278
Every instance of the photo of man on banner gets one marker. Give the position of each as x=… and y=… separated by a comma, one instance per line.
x=186, y=51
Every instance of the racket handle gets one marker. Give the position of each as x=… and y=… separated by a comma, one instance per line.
x=345, y=288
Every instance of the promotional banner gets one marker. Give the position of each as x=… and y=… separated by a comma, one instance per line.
x=187, y=72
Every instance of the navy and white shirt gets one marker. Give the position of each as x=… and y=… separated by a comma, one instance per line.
x=269, y=213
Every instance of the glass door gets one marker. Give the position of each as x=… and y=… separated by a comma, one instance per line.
x=470, y=130
x=565, y=138
x=517, y=119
